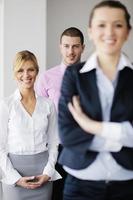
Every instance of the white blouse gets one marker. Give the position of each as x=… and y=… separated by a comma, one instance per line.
x=23, y=134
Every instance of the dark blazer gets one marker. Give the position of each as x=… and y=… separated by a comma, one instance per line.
x=76, y=153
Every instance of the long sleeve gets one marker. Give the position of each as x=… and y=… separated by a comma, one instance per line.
x=53, y=141
x=119, y=132
x=71, y=134
x=9, y=174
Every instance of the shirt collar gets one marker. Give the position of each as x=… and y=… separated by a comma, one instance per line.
x=63, y=67
x=18, y=96
x=92, y=63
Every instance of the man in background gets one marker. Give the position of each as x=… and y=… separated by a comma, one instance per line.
x=49, y=83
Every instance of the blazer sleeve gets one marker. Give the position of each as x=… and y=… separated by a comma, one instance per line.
x=71, y=135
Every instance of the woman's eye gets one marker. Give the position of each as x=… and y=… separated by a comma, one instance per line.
x=66, y=46
x=119, y=25
x=31, y=69
x=101, y=25
x=20, y=70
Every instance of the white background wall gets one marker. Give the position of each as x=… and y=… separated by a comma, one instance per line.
x=1, y=50
x=24, y=27
x=25, y=24
x=36, y=25
x=62, y=14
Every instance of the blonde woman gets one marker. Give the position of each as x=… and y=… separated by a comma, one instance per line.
x=28, y=137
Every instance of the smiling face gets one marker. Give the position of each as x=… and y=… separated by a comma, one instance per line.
x=108, y=30
x=71, y=49
x=26, y=75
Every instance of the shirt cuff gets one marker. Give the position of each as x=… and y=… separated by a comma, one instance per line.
x=48, y=170
x=11, y=178
x=112, y=131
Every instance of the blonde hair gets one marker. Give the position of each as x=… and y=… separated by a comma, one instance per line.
x=23, y=56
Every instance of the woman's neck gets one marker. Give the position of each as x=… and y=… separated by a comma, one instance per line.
x=108, y=65
x=109, y=61
x=28, y=95
x=28, y=100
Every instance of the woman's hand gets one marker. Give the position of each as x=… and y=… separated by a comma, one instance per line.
x=28, y=182
x=86, y=123
x=33, y=182
x=42, y=179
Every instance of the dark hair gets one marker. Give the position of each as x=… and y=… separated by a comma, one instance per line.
x=73, y=32
x=112, y=4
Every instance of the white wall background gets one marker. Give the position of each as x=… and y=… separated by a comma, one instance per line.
x=62, y=14
x=36, y=25
x=24, y=27
x=1, y=49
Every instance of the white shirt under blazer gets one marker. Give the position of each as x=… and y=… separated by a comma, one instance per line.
x=114, y=134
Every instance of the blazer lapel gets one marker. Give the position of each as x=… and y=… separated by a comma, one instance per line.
x=120, y=93
x=90, y=96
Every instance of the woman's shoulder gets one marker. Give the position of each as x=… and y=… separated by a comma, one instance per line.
x=46, y=105
x=45, y=101
x=73, y=70
x=7, y=101
x=75, y=67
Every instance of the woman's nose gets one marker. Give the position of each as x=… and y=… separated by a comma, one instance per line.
x=110, y=30
x=26, y=73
